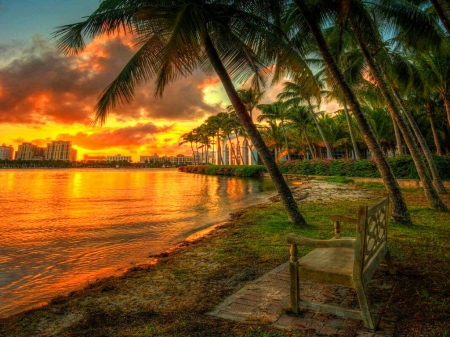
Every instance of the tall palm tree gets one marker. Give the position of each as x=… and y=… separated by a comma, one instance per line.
x=308, y=17
x=294, y=93
x=358, y=17
x=299, y=117
x=175, y=38
x=275, y=112
x=189, y=138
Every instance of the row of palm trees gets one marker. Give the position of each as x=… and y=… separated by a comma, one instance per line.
x=343, y=46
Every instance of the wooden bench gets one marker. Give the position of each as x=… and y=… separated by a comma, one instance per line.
x=347, y=262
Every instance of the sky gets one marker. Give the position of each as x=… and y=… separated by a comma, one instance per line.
x=47, y=96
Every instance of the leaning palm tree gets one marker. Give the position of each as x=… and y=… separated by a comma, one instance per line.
x=356, y=14
x=176, y=38
x=311, y=19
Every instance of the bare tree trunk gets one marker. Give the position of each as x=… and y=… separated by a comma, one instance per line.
x=311, y=149
x=398, y=139
x=430, y=114
x=350, y=131
x=437, y=181
x=399, y=210
x=322, y=135
x=287, y=198
x=430, y=192
x=442, y=8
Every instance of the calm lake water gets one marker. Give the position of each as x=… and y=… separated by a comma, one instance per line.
x=60, y=229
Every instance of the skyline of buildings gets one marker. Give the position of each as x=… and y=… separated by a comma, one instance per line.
x=62, y=150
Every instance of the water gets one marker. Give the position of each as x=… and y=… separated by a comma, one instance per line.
x=60, y=229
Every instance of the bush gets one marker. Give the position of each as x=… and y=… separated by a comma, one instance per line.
x=229, y=170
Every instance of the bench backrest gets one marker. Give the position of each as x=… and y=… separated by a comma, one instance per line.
x=371, y=239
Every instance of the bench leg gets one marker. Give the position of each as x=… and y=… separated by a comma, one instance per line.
x=295, y=287
x=294, y=278
x=364, y=305
x=390, y=264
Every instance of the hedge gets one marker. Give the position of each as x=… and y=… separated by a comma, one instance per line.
x=402, y=166
x=228, y=170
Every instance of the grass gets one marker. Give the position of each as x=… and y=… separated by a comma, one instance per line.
x=172, y=297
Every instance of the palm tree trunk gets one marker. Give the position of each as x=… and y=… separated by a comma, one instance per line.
x=398, y=139
x=350, y=131
x=437, y=181
x=193, y=153
x=442, y=8
x=287, y=198
x=446, y=98
x=322, y=135
x=437, y=143
x=286, y=141
x=399, y=210
x=313, y=155
x=430, y=192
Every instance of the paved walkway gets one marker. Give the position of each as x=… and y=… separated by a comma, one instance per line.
x=266, y=299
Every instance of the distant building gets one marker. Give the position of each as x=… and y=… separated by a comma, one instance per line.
x=119, y=157
x=60, y=150
x=238, y=151
x=28, y=151
x=6, y=152
x=89, y=158
x=178, y=159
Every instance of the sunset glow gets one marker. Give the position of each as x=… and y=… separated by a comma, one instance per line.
x=46, y=96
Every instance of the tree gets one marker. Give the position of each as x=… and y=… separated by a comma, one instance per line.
x=400, y=211
x=363, y=25
x=176, y=38
x=275, y=112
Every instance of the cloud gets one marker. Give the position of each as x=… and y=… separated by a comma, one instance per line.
x=128, y=137
x=40, y=85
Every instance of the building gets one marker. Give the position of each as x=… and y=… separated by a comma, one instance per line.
x=178, y=159
x=89, y=158
x=119, y=157
x=238, y=151
x=28, y=151
x=60, y=150
x=6, y=152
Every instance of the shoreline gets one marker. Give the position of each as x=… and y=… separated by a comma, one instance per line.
x=298, y=187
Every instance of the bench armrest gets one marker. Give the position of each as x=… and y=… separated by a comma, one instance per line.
x=294, y=239
x=343, y=218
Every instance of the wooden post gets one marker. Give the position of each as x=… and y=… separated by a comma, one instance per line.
x=295, y=282
x=337, y=229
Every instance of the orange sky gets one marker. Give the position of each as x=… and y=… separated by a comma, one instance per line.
x=47, y=96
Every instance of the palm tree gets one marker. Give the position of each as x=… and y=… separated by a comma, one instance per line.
x=299, y=117
x=400, y=211
x=189, y=138
x=177, y=37
x=355, y=12
x=250, y=97
x=275, y=112
x=294, y=93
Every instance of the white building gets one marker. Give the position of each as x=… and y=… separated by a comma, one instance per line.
x=119, y=157
x=239, y=152
x=93, y=158
x=6, y=152
x=28, y=151
x=60, y=150
x=178, y=159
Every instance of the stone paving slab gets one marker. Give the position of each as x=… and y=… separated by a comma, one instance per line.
x=266, y=300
